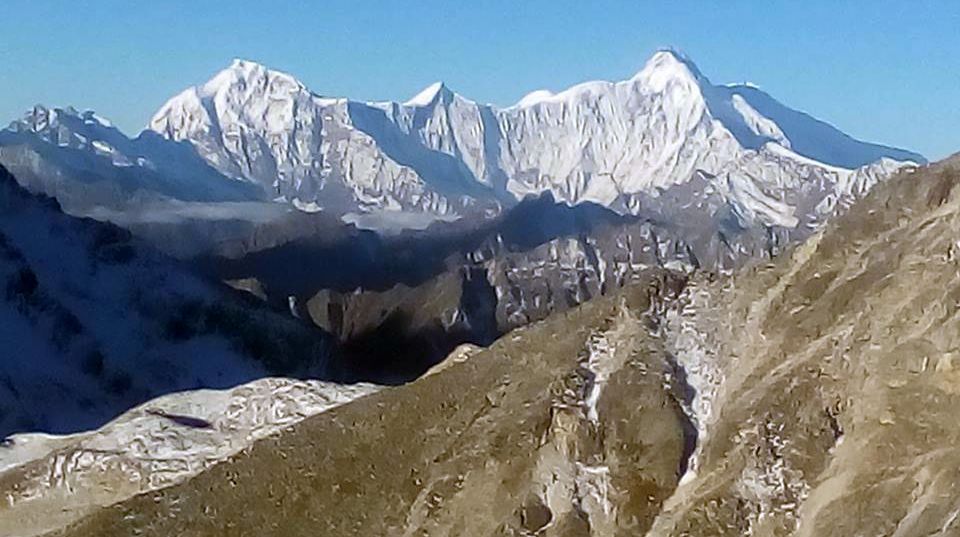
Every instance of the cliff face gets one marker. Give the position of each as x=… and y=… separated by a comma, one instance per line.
x=473, y=285
x=487, y=292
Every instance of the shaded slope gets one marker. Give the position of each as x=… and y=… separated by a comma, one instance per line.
x=816, y=139
x=94, y=323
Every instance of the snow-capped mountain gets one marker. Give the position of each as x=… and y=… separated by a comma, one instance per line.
x=85, y=162
x=613, y=143
x=265, y=127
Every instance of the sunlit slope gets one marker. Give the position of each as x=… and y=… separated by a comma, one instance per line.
x=837, y=409
x=568, y=424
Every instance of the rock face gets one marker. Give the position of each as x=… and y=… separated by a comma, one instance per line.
x=400, y=305
x=537, y=259
x=615, y=144
x=813, y=395
x=825, y=385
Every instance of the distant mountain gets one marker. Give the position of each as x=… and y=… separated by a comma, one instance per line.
x=85, y=162
x=616, y=144
x=253, y=136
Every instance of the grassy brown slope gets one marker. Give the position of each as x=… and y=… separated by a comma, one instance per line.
x=496, y=445
x=837, y=416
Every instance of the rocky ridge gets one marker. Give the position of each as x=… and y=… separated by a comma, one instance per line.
x=818, y=388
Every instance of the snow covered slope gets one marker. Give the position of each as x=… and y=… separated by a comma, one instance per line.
x=50, y=481
x=611, y=143
x=92, y=324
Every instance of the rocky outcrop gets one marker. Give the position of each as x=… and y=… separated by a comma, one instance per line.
x=824, y=381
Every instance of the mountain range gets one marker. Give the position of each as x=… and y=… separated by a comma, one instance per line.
x=252, y=134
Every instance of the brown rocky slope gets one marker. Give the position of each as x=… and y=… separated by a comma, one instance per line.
x=825, y=397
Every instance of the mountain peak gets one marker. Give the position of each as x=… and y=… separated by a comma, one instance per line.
x=247, y=73
x=242, y=64
x=438, y=91
x=534, y=97
x=667, y=66
x=41, y=117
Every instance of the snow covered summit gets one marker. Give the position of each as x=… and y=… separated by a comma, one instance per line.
x=612, y=143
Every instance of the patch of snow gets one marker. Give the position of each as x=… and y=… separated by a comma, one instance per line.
x=307, y=207
x=785, y=152
x=689, y=346
x=533, y=98
x=102, y=147
x=593, y=485
x=600, y=366
x=160, y=443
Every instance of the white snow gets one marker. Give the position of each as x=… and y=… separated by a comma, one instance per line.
x=691, y=348
x=158, y=444
x=426, y=96
x=534, y=98
x=307, y=207
x=759, y=124
x=598, y=141
x=601, y=365
x=102, y=146
x=782, y=151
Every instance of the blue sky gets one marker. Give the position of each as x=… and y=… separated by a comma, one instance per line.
x=881, y=71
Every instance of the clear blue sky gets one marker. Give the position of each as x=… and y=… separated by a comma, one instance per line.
x=883, y=71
